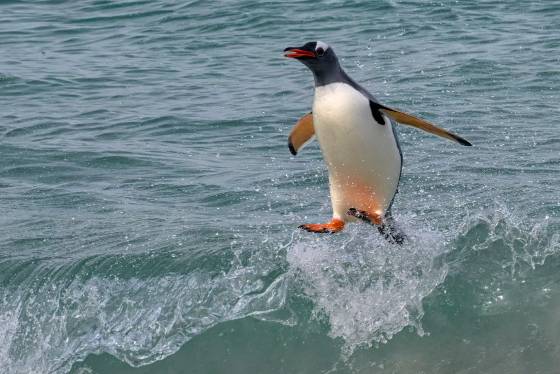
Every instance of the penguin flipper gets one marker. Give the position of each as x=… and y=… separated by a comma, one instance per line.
x=301, y=134
x=408, y=119
x=386, y=226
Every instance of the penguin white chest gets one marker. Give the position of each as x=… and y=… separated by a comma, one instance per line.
x=362, y=155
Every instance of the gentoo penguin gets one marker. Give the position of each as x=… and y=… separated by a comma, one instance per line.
x=359, y=143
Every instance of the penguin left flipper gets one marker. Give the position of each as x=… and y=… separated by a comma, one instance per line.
x=301, y=134
x=409, y=119
x=335, y=225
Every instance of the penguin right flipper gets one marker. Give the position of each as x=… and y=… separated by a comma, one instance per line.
x=409, y=119
x=386, y=226
x=301, y=134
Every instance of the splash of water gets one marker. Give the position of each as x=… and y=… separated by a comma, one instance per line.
x=497, y=253
x=368, y=289
x=46, y=328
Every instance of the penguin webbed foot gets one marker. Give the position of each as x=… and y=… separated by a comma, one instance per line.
x=332, y=227
x=386, y=229
x=391, y=234
x=371, y=218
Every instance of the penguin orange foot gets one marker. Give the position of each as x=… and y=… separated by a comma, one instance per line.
x=333, y=226
x=372, y=218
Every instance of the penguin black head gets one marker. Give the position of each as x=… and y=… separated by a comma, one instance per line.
x=319, y=58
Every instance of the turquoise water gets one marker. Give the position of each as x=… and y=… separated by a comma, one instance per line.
x=150, y=204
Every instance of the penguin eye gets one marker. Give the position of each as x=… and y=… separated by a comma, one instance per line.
x=320, y=51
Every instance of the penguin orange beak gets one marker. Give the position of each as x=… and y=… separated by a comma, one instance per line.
x=298, y=53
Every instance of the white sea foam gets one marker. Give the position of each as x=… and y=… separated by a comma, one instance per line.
x=369, y=289
x=507, y=247
x=527, y=242
x=48, y=328
x=366, y=288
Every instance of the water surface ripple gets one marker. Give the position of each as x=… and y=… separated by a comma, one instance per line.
x=149, y=202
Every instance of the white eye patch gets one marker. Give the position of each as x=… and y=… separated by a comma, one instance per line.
x=321, y=46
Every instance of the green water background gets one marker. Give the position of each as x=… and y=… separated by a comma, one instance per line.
x=149, y=204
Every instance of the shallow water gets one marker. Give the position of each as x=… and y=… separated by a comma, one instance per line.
x=150, y=203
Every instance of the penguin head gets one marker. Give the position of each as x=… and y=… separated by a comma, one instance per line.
x=318, y=57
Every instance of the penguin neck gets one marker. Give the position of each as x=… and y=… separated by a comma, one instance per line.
x=332, y=75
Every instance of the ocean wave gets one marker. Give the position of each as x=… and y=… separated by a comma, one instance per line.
x=55, y=318
x=364, y=289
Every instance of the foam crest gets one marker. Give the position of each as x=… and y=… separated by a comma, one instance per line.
x=502, y=256
x=139, y=321
x=367, y=288
x=516, y=242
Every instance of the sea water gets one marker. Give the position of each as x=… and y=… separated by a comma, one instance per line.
x=149, y=204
